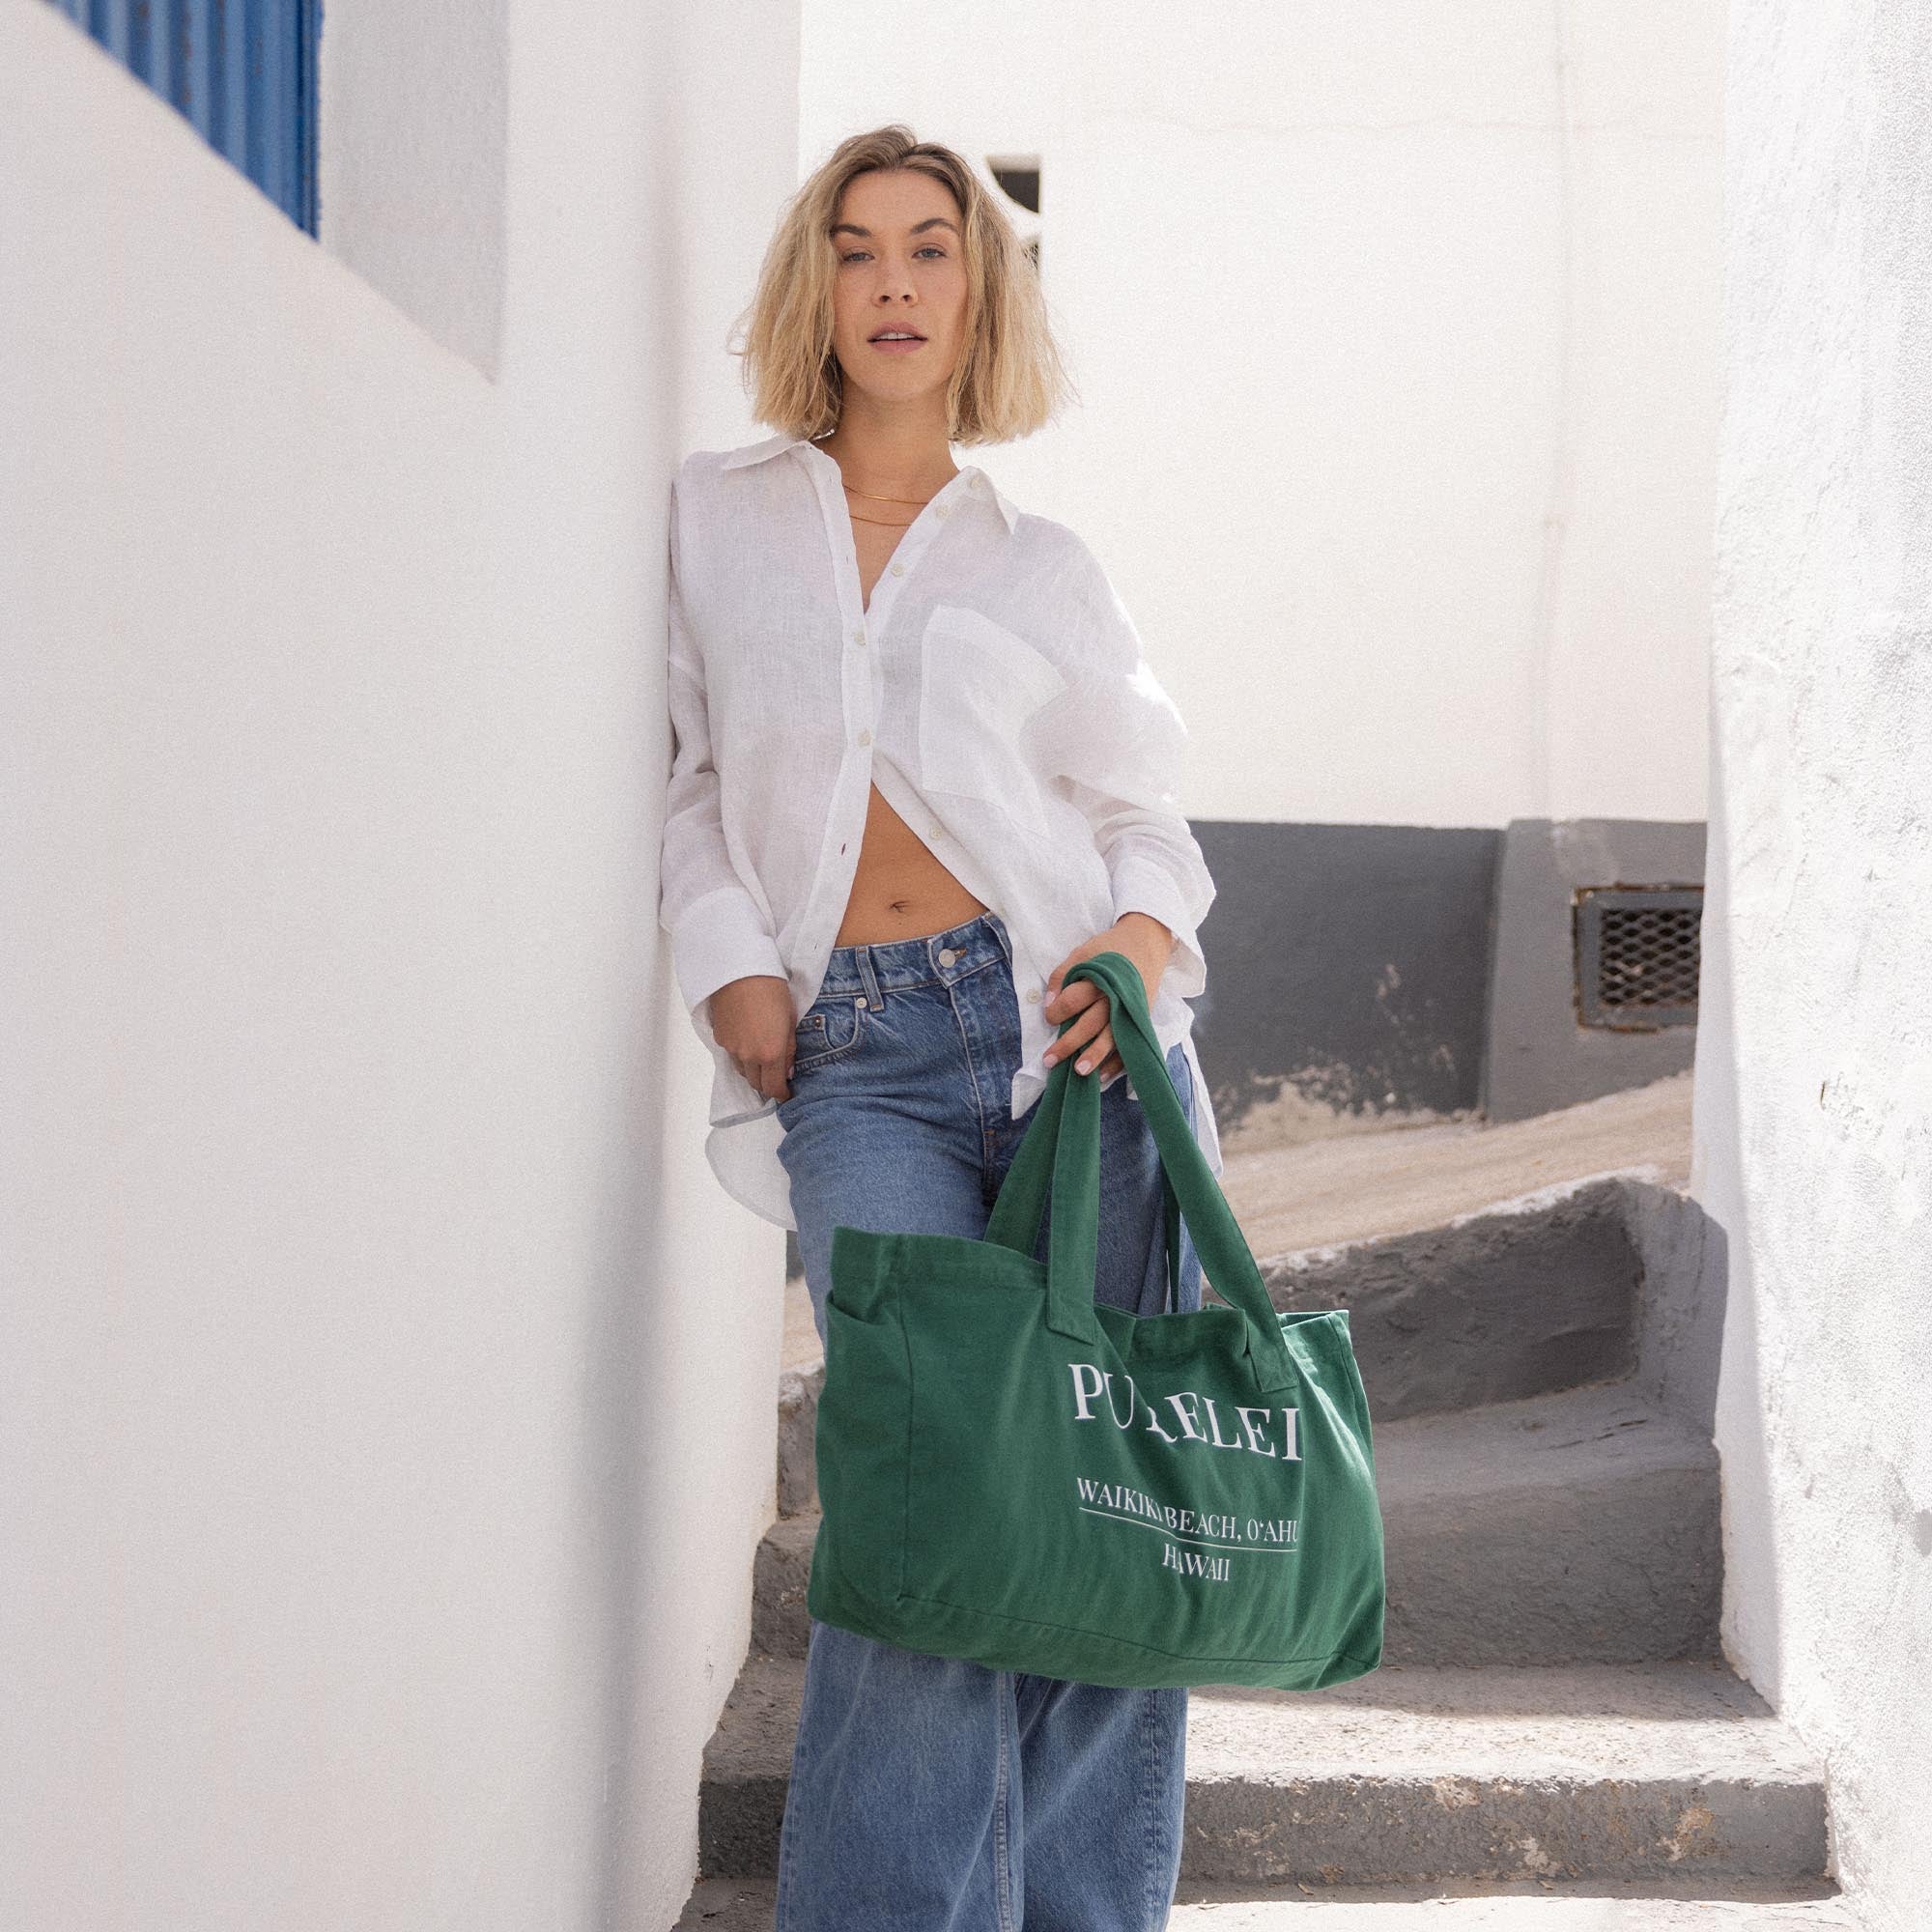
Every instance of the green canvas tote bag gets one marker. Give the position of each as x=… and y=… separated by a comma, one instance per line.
x=1015, y=1473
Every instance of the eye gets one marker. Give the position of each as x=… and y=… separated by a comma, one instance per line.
x=864, y=254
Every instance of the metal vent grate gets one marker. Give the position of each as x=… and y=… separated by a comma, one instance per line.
x=1638, y=955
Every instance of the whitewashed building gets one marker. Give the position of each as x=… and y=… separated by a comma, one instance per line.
x=386, y=1405
x=1509, y=428
x=1395, y=331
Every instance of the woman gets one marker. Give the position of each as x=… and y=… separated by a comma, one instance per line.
x=922, y=770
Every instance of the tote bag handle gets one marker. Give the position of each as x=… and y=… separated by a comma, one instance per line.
x=1063, y=1144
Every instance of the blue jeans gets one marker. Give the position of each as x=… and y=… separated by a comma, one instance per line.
x=930, y=1794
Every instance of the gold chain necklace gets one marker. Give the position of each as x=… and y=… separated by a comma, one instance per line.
x=872, y=498
x=884, y=522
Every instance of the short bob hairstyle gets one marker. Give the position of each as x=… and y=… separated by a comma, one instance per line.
x=1010, y=379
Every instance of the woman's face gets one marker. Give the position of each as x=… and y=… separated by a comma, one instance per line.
x=899, y=264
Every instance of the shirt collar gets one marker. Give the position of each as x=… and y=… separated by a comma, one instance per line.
x=773, y=445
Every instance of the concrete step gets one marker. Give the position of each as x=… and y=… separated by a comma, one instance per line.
x=1360, y=1178
x=1480, y=1261
x=780, y=1625
x=799, y=1386
x=1580, y=1285
x=1412, y=1776
x=747, y=1905
x=1575, y=1528
x=1523, y=1298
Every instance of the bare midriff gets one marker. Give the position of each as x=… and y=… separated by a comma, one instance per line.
x=901, y=890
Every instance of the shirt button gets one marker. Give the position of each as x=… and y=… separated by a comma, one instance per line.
x=899, y=570
x=864, y=737
x=857, y=636
x=941, y=511
x=1033, y=994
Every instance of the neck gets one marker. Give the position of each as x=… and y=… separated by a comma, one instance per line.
x=899, y=452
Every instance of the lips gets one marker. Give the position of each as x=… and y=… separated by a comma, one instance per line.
x=895, y=336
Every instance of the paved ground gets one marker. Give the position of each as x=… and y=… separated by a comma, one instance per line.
x=733, y=1905
x=1363, y=1184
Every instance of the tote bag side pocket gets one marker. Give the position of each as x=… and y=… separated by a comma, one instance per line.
x=1320, y=1342
x=862, y=1440
x=1336, y=1419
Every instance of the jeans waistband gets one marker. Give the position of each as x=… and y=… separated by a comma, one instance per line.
x=935, y=958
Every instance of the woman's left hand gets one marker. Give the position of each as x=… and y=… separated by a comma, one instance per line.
x=1148, y=944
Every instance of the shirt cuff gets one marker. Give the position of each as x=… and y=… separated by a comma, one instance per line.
x=723, y=937
x=1142, y=885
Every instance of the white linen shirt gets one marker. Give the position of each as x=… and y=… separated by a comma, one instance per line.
x=996, y=694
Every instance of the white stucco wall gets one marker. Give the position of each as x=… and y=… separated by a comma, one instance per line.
x=1395, y=336
x=1814, y=1069
x=413, y=173
x=386, y=1407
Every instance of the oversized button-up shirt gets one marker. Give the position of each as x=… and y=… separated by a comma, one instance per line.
x=994, y=690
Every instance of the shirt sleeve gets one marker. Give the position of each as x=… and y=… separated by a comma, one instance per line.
x=719, y=929
x=1121, y=745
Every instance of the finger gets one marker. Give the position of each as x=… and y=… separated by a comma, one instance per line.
x=1079, y=1038
x=1075, y=1035
x=1098, y=1054
x=1074, y=999
x=1085, y=1041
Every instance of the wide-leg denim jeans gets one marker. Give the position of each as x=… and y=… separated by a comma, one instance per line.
x=930, y=1794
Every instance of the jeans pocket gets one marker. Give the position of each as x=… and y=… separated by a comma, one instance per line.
x=828, y=1030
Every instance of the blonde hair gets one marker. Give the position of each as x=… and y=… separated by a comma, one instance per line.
x=1010, y=379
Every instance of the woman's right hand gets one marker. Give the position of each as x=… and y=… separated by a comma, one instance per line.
x=753, y=1020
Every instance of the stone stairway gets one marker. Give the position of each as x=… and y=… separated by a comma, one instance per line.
x=1552, y=1721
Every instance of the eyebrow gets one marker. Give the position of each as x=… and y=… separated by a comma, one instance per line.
x=918, y=227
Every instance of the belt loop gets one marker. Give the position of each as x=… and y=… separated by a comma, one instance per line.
x=874, y=998
x=1000, y=933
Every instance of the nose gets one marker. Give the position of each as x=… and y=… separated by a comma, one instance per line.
x=894, y=282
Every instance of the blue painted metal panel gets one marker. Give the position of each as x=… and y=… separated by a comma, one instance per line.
x=242, y=71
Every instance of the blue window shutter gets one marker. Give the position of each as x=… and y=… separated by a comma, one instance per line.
x=242, y=71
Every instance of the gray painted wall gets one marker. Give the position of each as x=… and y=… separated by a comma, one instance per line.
x=1348, y=968
x=1359, y=972
x=1539, y=1056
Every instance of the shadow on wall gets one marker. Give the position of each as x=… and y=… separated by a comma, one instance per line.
x=1348, y=968
x=1364, y=976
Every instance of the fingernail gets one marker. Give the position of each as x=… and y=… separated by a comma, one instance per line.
x=1086, y=1065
